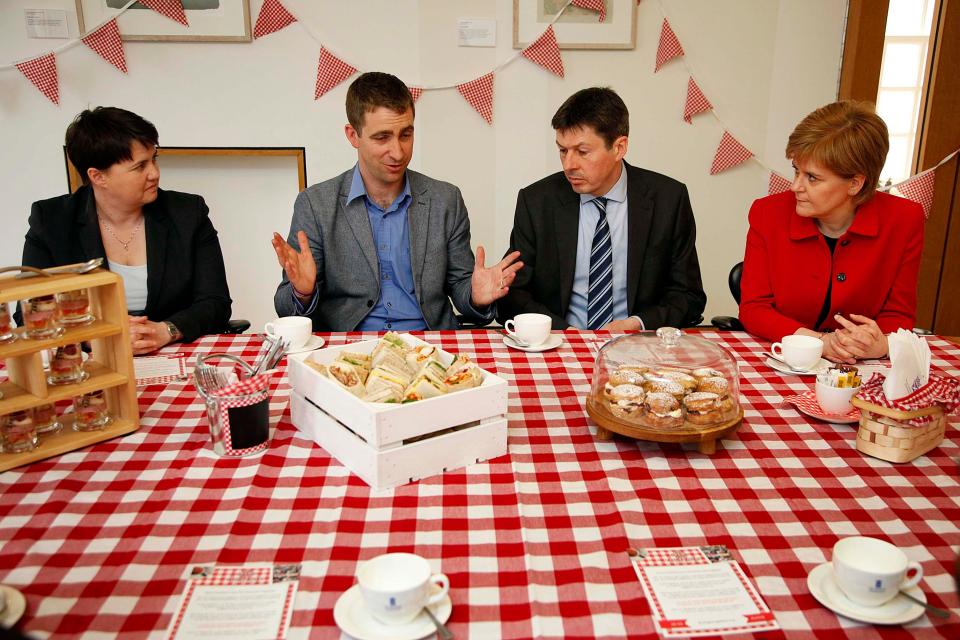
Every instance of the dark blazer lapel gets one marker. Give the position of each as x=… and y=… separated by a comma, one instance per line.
x=639, y=219
x=418, y=221
x=89, y=229
x=156, y=226
x=567, y=223
x=356, y=214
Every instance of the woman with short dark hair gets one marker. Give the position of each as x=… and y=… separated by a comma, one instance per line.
x=832, y=257
x=161, y=243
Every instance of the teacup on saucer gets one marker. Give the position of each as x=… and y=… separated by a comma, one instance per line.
x=353, y=617
x=899, y=610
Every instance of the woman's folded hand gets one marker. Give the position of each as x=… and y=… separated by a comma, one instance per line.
x=860, y=337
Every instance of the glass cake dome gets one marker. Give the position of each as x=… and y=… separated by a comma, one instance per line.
x=664, y=382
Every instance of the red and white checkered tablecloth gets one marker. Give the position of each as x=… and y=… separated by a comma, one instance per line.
x=100, y=540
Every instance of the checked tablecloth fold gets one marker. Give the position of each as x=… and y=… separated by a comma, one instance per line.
x=534, y=542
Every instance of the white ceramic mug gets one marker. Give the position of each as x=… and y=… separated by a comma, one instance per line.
x=800, y=352
x=532, y=328
x=872, y=572
x=296, y=330
x=397, y=586
x=835, y=400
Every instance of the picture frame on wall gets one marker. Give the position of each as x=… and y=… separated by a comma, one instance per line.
x=577, y=28
x=210, y=21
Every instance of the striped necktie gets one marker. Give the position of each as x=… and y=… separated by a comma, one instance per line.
x=600, y=291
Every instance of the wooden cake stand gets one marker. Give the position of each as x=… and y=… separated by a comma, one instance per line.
x=705, y=436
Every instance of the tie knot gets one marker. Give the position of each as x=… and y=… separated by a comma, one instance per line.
x=601, y=204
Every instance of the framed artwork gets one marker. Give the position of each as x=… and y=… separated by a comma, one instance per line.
x=577, y=28
x=74, y=181
x=210, y=20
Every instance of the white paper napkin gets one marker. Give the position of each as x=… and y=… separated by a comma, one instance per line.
x=909, y=364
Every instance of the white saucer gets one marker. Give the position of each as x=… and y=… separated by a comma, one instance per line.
x=16, y=605
x=898, y=611
x=353, y=619
x=314, y=343
x=820, y=367
x=554, y=341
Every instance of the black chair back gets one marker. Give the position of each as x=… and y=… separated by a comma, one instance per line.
x=733, y=281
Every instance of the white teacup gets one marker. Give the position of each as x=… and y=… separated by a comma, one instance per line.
x=296, y=330
x=800, y=352
x=871, y=572
x=532, y=328
x=397, y=586
x=835, y=400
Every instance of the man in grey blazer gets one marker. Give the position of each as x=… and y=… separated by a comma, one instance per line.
x=380, y=247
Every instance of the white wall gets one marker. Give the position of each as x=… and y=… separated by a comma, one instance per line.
x=763, y=63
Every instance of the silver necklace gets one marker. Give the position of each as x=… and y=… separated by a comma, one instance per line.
x=125, y=245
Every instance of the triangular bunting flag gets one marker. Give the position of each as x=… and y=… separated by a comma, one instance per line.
x=172, y=9
x=106, y=43
x=415, y=92
x=778, y=184
x=696, y=102
x=593, y=5
x=331, y=71
x=730, y=153
x=919, y=188
x=545, y=52
x=479, y=93
x=669, y=47
x=42, y=72
x=273, y=17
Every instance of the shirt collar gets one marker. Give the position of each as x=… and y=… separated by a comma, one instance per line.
x=617, y=193
x=358, y=189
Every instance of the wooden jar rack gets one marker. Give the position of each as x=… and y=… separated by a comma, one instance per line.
x=110, y=366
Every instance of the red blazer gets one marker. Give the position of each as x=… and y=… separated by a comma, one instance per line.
x=787, y=267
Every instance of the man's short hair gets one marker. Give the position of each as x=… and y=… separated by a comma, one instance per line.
x=373, y=90
x=597, y=107
x=846, y=137
x=102, y=137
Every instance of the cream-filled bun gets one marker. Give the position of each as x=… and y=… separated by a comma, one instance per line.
x=663, y=411
x=703, y=407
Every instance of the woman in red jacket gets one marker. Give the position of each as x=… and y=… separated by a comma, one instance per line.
x=832, y=258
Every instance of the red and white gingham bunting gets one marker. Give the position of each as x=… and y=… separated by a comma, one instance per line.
x=778, y=184
x=106, y=43
x=696, y=102
x=172, y=9
x=415, y=92
x=592, y=5
x=919, y=188
x=42, y=72
x=545, y=52
x=331, y=71
x=730, y=153
x=479, y=93
x=273, y=17
x=669, y=47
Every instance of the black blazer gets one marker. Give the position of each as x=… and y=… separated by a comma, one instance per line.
x=663, y=273
x=186, y=281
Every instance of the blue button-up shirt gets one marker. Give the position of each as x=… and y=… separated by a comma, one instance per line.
x=397, y=309
x=617, y=221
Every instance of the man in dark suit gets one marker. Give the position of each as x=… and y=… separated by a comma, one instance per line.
x=604, y=245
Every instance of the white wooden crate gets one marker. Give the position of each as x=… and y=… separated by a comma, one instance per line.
x=374, y=440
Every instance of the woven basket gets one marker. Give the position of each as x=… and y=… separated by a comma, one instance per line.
x=884, y=433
